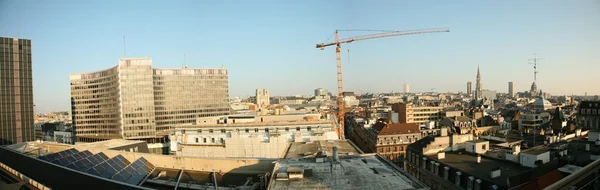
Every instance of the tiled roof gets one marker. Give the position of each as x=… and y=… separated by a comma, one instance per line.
x=396, y=128
x=543, y=181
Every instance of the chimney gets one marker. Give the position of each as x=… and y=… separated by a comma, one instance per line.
x=335, y=154
x=516, y=148
x=478, y=159
x=441, y=155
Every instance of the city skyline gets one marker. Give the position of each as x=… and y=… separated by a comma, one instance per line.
x=272, y=45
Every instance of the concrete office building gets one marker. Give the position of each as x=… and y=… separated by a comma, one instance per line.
x=511, y=90
x=406, y=88
x=134, y=101
x=16, y=91
x=409, y=113
x=469, y=88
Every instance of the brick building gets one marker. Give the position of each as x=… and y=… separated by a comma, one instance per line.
x=388, y=140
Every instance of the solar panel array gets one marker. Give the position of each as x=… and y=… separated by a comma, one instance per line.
x=135, y=172
x=117, y=168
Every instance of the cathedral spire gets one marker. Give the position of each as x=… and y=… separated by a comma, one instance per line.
x=478, y=89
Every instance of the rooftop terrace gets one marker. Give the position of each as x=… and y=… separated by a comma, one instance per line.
x=304, y=150
x=367, y=171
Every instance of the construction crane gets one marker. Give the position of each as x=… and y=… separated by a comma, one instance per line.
x=338, y=56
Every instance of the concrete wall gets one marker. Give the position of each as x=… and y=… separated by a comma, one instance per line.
x=457, y=142
x=528, y=160
x=223, y=165
x=478, y=147
x=512, y=157
x=439, y=144
x=249, y=145
x=593, y=136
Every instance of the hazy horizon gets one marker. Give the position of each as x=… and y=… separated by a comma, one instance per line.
x=270, y=44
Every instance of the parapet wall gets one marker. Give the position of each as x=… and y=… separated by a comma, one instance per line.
x=222, y=165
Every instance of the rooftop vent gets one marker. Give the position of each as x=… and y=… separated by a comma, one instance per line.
x=295, y=173
x=496, y=172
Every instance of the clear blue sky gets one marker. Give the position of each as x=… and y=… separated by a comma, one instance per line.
x=270, y=44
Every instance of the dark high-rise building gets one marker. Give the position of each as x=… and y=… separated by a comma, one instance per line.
x=511, y=92
x=16, y=93
x=469, y=88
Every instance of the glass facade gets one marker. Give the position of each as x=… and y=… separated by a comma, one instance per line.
x=135, y=101
x=95, y=103
x=137, y=98
x=182, y=95
x=16, y=91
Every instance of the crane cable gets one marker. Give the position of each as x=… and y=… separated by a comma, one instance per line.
x=359, y=30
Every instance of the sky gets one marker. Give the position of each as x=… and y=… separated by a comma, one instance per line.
x=271, y=44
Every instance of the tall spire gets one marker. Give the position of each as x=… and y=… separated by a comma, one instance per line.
x=478, y=89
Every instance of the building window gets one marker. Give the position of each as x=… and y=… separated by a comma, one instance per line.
x=483, y=147
x=256, y=130
x=247, y=130
x=204, y=139
x=267, y=130
x=210, y=131
x=287, y=129
x=308, y=128
x=213, y=140
x=197, y=140
x=297, y=128
x=223, y=131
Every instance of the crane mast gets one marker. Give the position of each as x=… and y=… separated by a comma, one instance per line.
x=338, y=60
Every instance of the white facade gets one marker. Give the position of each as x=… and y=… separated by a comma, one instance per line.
x=250, y=140
x=351, y=101
x=477, y=146
x=262, y=97
x=528, y=159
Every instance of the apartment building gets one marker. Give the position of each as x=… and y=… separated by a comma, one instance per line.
x=421, y=115
x=16, y=91
x=135, y=101
x=388, y=140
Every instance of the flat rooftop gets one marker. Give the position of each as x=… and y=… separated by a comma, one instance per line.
x=468, y=164
x=258, y=123
x=310, y=149
x=478, y=141
x=107, y=144
x=536, y=150
x=367, y=171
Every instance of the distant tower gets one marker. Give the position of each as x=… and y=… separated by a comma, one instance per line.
x=478, y=89
x=469, y=89
x=262, y=97
x=511, y=92
x=406, y=88
x=534, y=91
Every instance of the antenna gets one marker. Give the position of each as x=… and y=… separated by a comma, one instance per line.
x=124, y=54
x=535, y=72
x=184, y=62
